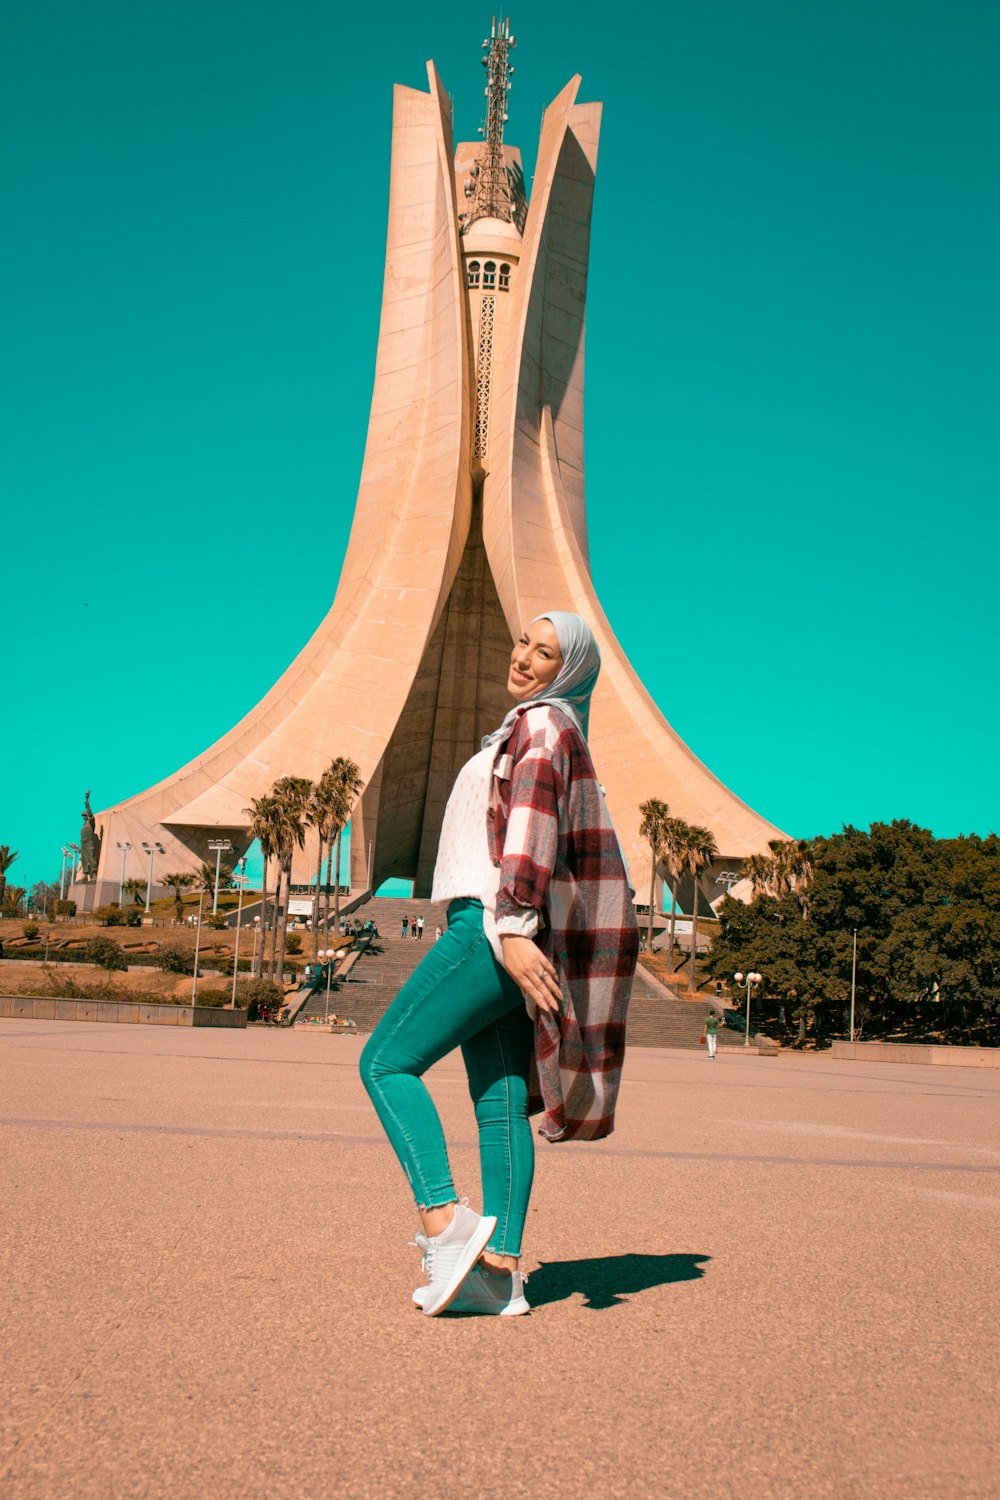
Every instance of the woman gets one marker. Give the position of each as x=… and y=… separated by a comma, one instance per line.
x=531, y=978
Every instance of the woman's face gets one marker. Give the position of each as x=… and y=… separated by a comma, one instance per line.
x=534, y=661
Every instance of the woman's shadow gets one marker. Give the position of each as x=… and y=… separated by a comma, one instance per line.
x=607, y=1280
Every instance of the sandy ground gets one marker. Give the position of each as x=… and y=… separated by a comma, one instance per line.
x=778, y=1278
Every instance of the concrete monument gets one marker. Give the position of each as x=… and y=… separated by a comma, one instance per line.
x=470, y=519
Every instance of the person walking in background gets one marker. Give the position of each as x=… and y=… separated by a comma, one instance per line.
x=437, y=934
x=420, y=928
x=711, y=1032
x=531, y=979
x=406, y=923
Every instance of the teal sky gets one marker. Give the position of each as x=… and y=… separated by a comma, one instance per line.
x=793, y=336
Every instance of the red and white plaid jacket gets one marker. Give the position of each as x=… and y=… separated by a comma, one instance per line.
x=551, y=835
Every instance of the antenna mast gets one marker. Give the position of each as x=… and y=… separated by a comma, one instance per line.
x=488, y=189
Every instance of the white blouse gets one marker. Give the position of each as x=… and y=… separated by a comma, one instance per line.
x=464, y=867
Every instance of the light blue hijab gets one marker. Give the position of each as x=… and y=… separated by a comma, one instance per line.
x=573, y=684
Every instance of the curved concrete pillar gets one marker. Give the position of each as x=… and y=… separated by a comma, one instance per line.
x=470, y=519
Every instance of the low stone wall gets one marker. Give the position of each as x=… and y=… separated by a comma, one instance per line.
x=917, y=1052
x=128, y=1012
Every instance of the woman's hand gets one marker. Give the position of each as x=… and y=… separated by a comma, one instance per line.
x=532, y=972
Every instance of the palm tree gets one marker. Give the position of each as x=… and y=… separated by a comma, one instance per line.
x=346, y=787
x=675, y=838
x=136, y=888
x=700, y=852
x=654, y=817
x=292, y=794
x=177, y=884
x=322, y=815
x=803, y=869
x=264, y=818
x=13, y=895
x=760, y=871
x=7, y=858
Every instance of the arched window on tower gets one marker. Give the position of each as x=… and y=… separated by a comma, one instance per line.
x=489, y=275
x=504, y=282
x=473, y=273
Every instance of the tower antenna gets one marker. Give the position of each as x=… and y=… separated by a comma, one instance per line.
x=488, y=190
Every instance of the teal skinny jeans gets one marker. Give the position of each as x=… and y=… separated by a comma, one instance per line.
x=460, y=996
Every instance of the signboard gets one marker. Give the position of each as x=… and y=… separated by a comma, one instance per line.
x=300, y=906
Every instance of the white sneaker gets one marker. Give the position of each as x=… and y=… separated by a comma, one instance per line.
x=482, y=1292
x=492, y=1295
x=420, y=1292
x=451, y=1255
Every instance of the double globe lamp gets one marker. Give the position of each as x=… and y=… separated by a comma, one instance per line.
x=747, y=981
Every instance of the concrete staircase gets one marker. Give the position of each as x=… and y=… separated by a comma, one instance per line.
x=657, y=1017
x=380, y=973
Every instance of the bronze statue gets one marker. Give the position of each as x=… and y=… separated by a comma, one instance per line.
x=90, y=844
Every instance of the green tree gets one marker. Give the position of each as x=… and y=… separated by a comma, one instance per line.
x=292, y=794
x=655, y=813
x=700, y=852
x=136, y=888
x=346, y=787
x=322, y=814
x=927, y=914
x=13, y=895
x=675, y=841
x=43, y=894
x=760, y=870
x=178, y=883
x=7, y=858
x=264, y=821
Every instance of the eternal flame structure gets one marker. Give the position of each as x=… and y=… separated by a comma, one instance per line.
x=470, y=520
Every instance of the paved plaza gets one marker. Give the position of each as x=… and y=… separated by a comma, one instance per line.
x=778, y=1278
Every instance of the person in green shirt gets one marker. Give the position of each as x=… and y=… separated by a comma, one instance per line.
x=712, y=1024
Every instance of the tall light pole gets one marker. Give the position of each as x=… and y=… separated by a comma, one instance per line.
x=241, y=880
x=329, y=954
x=66, y=851
x=220, y=846
x=854, y=979
x=121, y=884
x=197, y=946
x=256, y=935
x=747, y=982
x=151, y=849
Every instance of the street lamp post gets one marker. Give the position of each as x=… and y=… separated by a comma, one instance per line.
x=62, y=874
x=219, y=845
x=256, y=935
x=197, y=946
x=242, y=880
x=747, y=982
x=151, y=849
x=121, y=884
x=329, y=954
x=854, y=979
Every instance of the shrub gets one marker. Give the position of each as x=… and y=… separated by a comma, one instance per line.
x=218, y=921
x=173, y=958
x=111, y=915
x=213, y=997
x=255, y=995
x=30, y=930
x=106, y=952
x=293, y=943
x=64, y=908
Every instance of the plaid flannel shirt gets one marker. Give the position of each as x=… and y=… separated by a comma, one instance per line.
x=551, y=835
